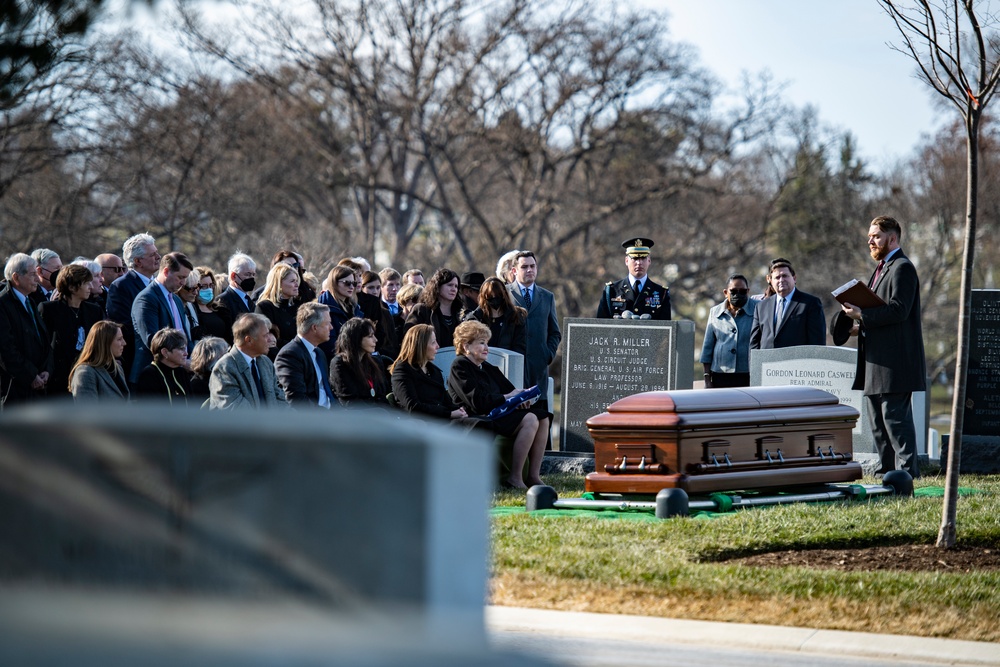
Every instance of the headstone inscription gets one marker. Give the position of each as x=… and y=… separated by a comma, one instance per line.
x=607, y=360
x=831, y=369
x=981, y=430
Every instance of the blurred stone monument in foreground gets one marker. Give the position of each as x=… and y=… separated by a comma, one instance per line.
x=367, y=527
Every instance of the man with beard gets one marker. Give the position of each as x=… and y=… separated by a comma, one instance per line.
x=636, y=293
x=726, y=352
x=891, y=362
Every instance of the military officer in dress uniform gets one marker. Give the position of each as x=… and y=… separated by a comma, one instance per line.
x=636, y=293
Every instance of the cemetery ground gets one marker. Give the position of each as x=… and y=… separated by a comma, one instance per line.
x=868, y=566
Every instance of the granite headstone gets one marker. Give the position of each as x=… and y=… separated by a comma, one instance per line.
x=831, y=369
x=981, y=429
x=607, y=360
x=346, y=509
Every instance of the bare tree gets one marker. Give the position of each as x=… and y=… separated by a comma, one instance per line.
x=957, y=50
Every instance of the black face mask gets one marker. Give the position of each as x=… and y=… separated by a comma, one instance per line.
x=496, y=302
x=247, y=284
x=738, y=300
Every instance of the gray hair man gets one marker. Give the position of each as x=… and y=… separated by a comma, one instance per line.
x=301, y=366
x=25, y=355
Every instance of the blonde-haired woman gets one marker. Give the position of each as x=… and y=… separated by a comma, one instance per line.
x=479, y=387
x=98, y=374
x=279, y=303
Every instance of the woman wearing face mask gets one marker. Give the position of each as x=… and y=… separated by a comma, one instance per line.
x=726, y=352
x=505, y=319
x=211, y=320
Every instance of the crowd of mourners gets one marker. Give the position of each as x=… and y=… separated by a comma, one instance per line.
x=145, y=326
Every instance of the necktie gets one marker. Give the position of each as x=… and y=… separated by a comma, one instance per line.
x=779, y=312
x=527, y=298
x=324, y=376
x=249, y=303
x=31, y=314
x=878, y=272
x=173, y=312
x=256, y=381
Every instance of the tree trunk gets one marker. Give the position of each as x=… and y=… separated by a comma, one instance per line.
x=947, y=533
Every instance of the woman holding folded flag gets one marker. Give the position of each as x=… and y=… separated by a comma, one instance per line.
x=480, y=387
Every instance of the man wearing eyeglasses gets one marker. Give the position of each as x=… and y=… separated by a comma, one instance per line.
x=726, y=352
x=242, y=280
x=47, y=270
x=111, y=267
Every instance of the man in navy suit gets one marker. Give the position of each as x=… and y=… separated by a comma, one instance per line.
x=543, y=332
x=157, y=306
x=891, y=363
x=789, y=316
x=143, y=261
x=301, y=366
x=25, y=355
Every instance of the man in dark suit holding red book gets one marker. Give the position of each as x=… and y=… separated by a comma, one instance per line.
x=891, y=362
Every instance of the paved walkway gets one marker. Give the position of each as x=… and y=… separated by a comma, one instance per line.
x=823, y=644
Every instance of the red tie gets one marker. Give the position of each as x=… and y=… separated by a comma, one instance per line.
x=878, y=272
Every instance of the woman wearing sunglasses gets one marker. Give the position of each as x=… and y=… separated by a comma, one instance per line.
x=726, y=352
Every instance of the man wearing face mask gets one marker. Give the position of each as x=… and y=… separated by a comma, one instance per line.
x=242, y=279
x=726, y=352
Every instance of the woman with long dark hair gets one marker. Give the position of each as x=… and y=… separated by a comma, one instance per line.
x=439, y=306
x=68, y=318
x=98, y=374
x=505, y=319
x=479, y=387
x=341, y=286
x=358, y=377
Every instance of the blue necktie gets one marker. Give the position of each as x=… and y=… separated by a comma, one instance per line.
x=323, y=375
x=527, y=298
x=256, y=381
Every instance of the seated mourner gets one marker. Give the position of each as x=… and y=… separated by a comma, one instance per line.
x=418, y=385
x=479, y=387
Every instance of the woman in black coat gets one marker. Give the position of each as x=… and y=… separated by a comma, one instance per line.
x=168, y=376
x=505, y=319
x=279, y=303
x=479, y=387
x=356, y=376
x=68, y=318
x=418, y=385
x=439, y=306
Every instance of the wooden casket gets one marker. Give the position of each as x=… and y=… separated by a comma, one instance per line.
x=707, y=440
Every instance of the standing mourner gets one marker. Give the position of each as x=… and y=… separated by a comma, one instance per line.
x=891, y=363
x=542, y=331
x=726, y=352
x=636, y=293
x=789, y=317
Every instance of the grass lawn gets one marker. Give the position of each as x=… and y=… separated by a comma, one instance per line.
x=683, y=567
